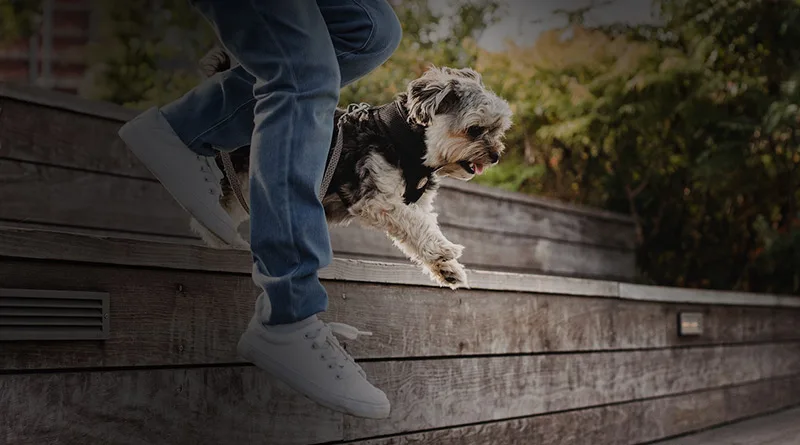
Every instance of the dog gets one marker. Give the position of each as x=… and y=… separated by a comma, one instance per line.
x=445, y=124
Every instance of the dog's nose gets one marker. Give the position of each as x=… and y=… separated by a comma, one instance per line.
x=494, y=157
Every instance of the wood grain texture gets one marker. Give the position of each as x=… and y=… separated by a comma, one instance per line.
x=781, y=428
x=65, y=102
x=47, y=245
x=57, y=196
x=622, y=424
x=499, y=194
x=235, y=405
x=135, y=251
x=77, y=136
x=704, y=296
x=205, y=405
x=469, y=207
x=496, y=251
x=54, y=136
x=161, y=317
x=438, y=393
x=33, y=98
x=41, y=98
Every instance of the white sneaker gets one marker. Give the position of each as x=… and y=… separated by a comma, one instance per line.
x=193, y=180
x=307, y=357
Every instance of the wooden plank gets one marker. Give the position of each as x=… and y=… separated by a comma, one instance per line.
x=674, y=294
x=161, y=317
x=495, y=251
x=476, y=207
x=148, y=407
x=57, y=196
x=186, y=405
x=776, y=429
x=65, y=101
x=44, y=245
x=97, y=233
x=627, y=423
x=123, y=251
x=460, y=205
x=438, y=393
x=106, y=111
x=68, y=139
x=500, y=194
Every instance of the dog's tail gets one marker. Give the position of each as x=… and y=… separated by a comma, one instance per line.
x=215, y=61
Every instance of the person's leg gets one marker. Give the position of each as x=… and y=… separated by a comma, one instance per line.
x=219, y=113
x=285, y=46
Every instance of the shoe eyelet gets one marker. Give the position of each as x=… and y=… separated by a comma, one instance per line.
x=330, y=366
x=314, y=346
x=338, y=376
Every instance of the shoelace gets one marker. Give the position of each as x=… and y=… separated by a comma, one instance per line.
x=333, y=352
x=214, y=175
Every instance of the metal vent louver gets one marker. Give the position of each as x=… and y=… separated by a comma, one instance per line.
x=27, y=314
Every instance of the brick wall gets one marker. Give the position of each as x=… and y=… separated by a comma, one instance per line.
x=24, y=61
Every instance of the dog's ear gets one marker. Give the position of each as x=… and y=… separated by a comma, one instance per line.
x=433, y=93
x=467, y=73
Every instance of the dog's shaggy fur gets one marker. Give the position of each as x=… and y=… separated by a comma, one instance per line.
x=460, y=125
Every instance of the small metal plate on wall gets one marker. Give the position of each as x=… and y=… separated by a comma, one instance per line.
x=33, y=314
x=690, y=324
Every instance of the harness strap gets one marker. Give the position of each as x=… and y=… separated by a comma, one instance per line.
x=330, y=167
x=230, y=172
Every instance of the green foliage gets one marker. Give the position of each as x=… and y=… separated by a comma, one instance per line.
x=690, y=127
x=424, y=43
x=148, y=52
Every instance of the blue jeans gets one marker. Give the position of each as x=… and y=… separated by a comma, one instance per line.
x=294, y=57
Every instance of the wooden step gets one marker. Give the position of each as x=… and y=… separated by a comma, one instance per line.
x=781, y=428
x=517, y=358
x=75, y=173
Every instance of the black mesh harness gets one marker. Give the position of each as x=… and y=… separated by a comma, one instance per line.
x=408, y=140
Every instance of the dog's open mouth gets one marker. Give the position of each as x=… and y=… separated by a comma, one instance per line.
x=471, y=167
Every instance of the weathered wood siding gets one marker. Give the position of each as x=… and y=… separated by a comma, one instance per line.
x=63, y=166
x=782, y=428
x=583, y=362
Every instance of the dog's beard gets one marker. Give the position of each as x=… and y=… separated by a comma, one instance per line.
x=452, y=153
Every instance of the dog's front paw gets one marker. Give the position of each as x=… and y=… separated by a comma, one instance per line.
x=449, y=273
x=448, y=251
x=456, y=250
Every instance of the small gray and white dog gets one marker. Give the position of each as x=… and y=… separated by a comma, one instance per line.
x=446, y=124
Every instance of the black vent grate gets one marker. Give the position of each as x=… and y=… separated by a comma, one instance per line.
x=27, y=314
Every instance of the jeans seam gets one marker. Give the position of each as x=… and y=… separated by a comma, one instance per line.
x=290, y=133
x=221, y=121
x=369, y=38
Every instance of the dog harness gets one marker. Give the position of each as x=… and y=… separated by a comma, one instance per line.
x=409, y=143
x=409, y=146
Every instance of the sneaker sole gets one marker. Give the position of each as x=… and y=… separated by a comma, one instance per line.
x=136, y=140
x=356, y=408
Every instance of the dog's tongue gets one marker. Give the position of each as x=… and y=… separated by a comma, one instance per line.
x=478, y=169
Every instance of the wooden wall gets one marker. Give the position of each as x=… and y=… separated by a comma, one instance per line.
x=519, y=358
x=567, y=361
x=64, y=167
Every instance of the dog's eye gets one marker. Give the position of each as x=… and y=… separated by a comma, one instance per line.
x=474, y=131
